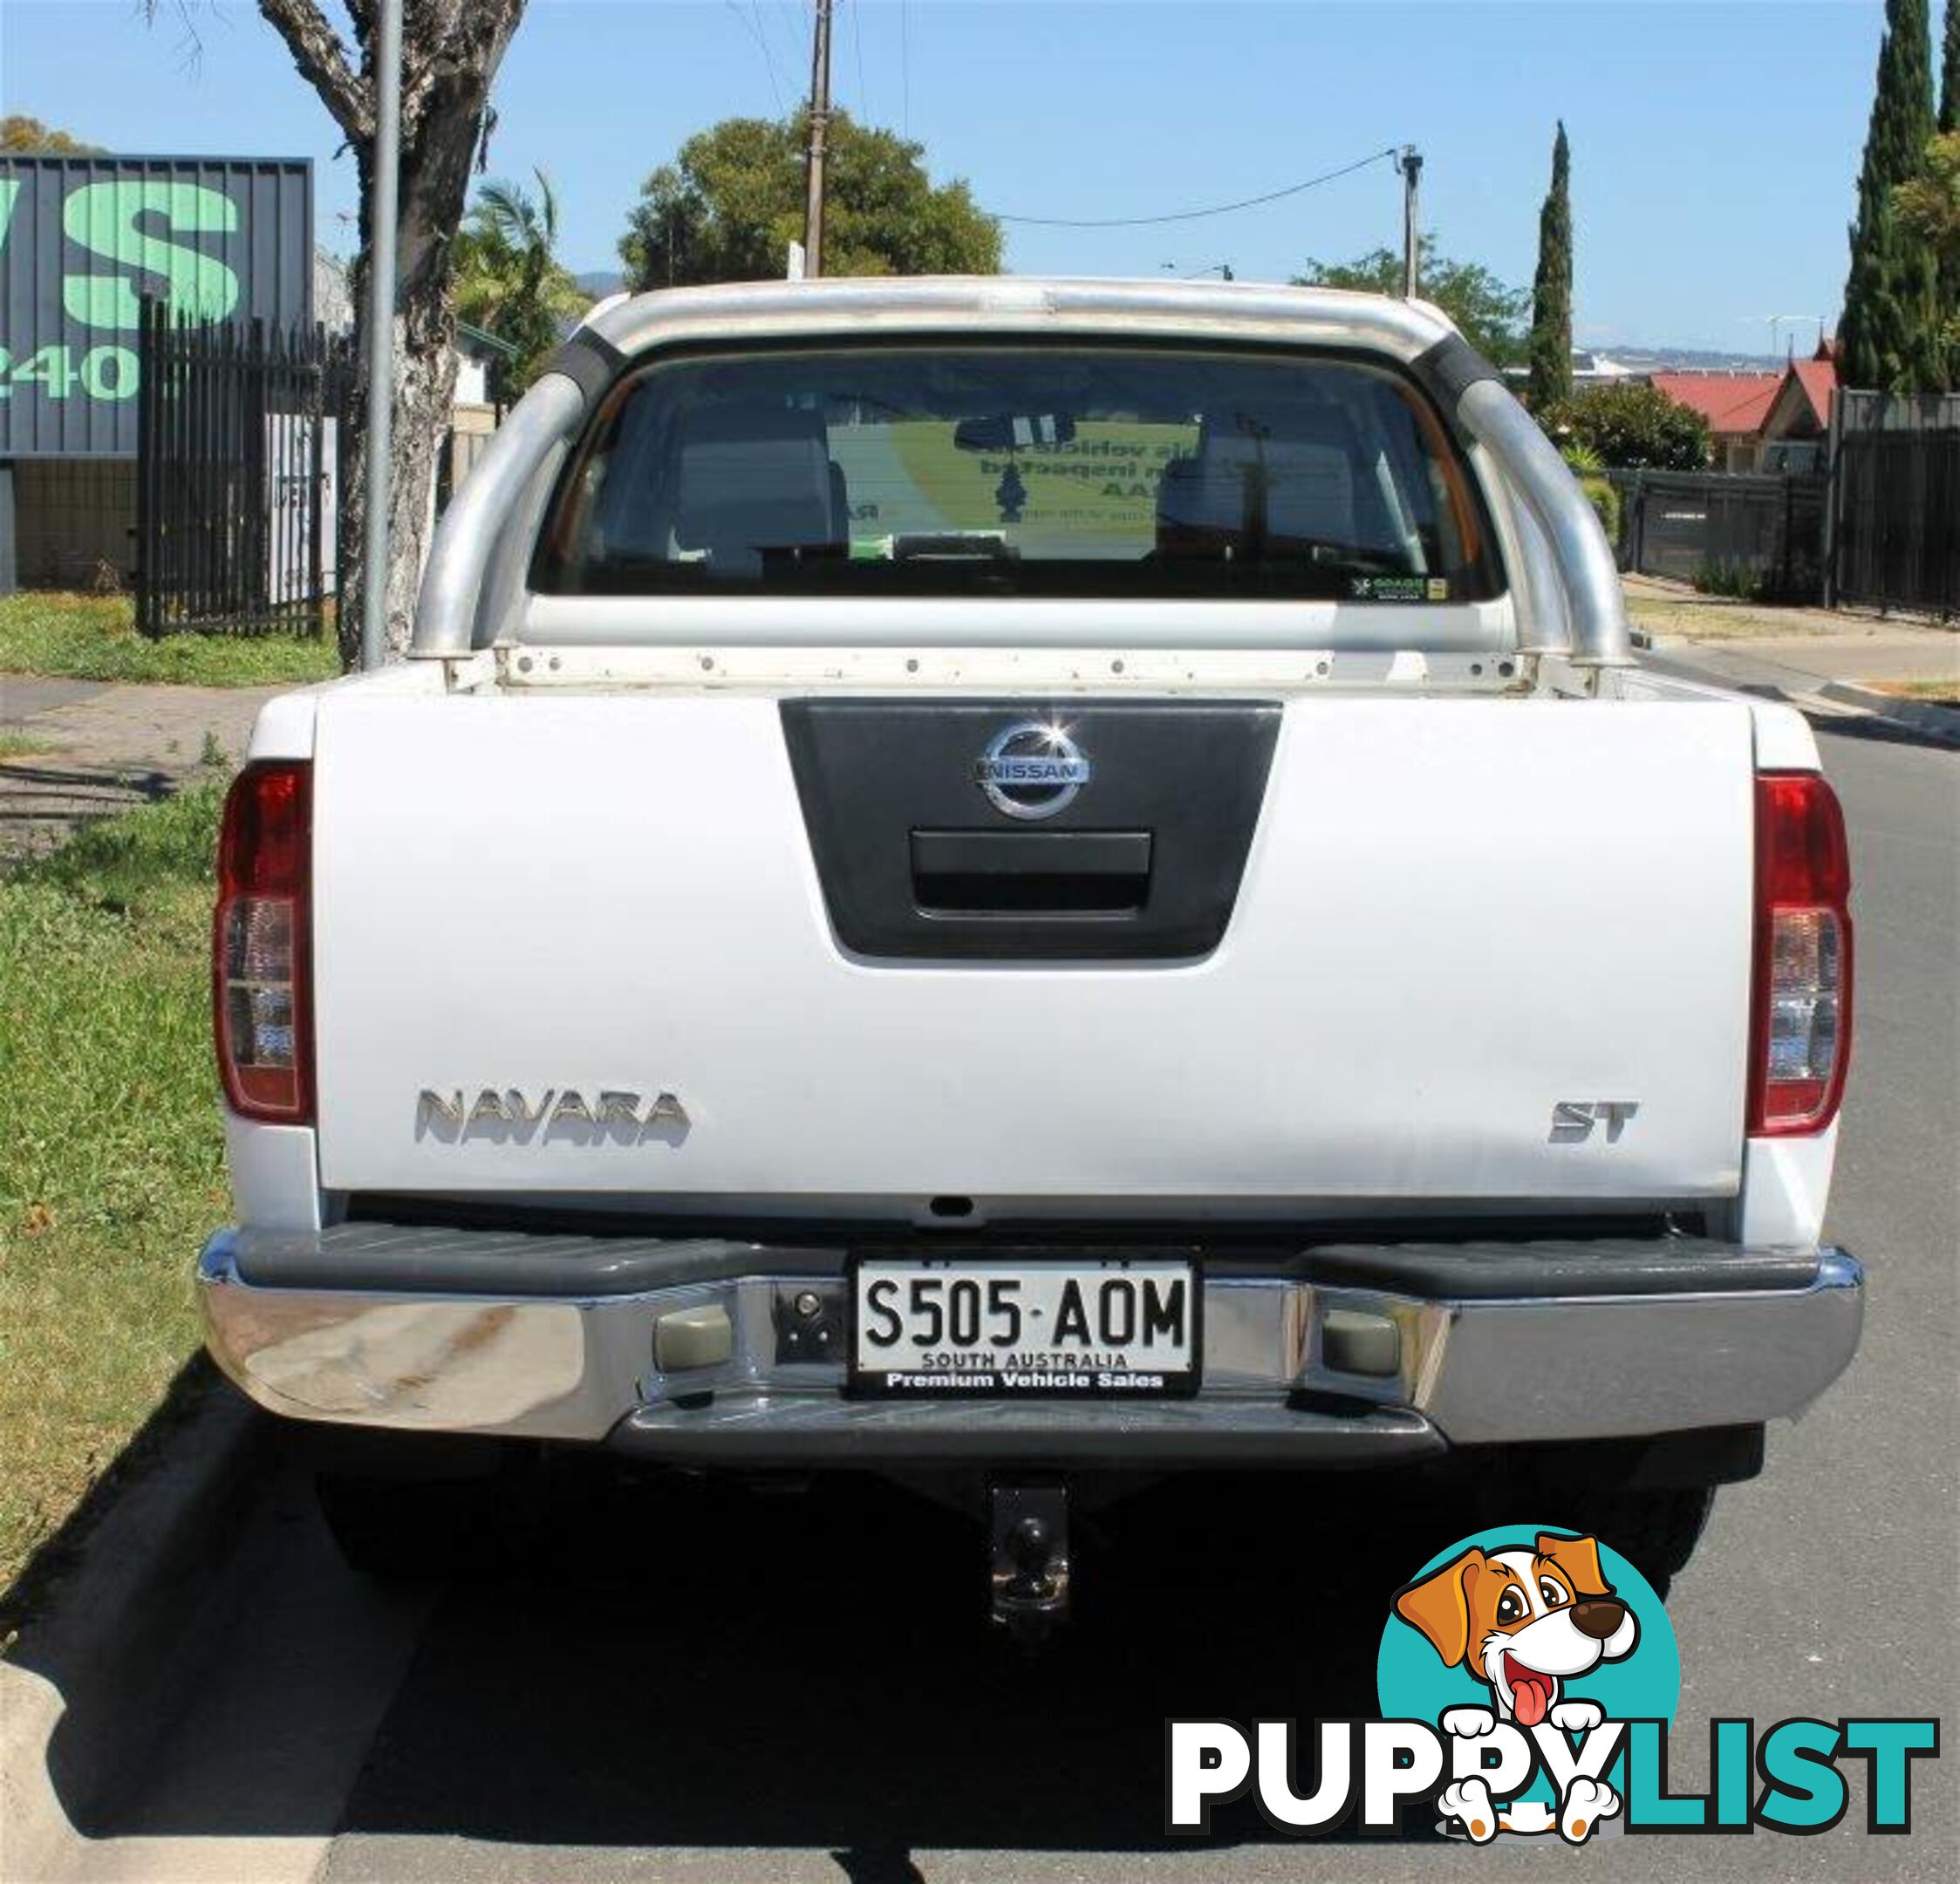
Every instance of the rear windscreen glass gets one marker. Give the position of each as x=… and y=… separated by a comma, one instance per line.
x=1012, y=470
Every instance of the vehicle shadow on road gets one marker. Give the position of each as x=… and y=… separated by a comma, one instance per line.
x=671, y=1663
x=43, y=803
x=1877, y=732
x=704, y=1667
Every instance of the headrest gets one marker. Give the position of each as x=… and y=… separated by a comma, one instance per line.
x=752, y=477
x=1310, y=454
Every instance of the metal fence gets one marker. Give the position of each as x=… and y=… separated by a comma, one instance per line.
x=239, y=438
x=1761, y=536
x=1894, y=517
x=75, y=523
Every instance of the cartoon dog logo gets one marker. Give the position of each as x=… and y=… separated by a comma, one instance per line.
x=1523, y=1622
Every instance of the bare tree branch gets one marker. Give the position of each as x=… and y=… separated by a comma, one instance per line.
x=190, y=45
x=322, y=59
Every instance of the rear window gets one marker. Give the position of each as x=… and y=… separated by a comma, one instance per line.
x=1020, y=471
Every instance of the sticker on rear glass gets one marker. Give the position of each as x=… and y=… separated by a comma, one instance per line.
x=1399, y=589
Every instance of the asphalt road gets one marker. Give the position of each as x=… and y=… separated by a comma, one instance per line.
x=700, y=1686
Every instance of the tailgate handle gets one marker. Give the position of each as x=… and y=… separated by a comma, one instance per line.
x=1030, y=873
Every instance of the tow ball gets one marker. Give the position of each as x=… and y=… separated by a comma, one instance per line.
x=1029, y=1525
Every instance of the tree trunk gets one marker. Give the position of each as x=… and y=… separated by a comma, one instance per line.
x=451, y=50
x=434, y=176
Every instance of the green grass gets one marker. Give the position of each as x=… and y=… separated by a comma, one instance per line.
x=21, y=746
x=1735, y=580
x=111, y=1151
x=1940, y=693
x=94, y=638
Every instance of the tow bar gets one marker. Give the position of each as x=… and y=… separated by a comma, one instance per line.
x=1030, y=1531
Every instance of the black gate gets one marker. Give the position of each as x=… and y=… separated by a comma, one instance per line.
x=1895, y=540
x=240, y=432
x=1759, y=536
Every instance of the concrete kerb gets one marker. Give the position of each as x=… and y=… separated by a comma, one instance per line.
x=1927, y=717
x=95, y=1676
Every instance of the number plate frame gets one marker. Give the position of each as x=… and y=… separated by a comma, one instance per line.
x=997, y=1383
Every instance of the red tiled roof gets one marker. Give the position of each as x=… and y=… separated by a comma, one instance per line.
x=1819, y=378
x=1730, y=402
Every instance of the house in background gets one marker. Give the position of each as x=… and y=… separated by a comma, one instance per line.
x=1735, y=405
x=1796, y=429
x=1776, y=422
x=478, y=408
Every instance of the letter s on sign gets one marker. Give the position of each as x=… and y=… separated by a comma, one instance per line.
x=102, y=218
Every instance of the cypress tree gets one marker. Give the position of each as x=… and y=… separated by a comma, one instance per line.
x=1890, y=330
x=1949, y=308
x=1551, y=309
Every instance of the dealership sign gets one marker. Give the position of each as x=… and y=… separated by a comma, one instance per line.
x=82, y=241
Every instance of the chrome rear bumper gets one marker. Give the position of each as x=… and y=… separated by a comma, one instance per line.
x=406, y=1328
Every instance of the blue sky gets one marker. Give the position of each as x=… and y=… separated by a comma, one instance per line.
x=1715, y=146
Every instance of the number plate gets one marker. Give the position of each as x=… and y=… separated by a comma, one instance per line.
x=1004, y=1330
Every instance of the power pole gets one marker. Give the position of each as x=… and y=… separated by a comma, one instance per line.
x=819, y=125
x=1409, y=163
x=382, y=292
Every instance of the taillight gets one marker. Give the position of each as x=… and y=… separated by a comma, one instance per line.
x=261, y=971
x=1801, y=1035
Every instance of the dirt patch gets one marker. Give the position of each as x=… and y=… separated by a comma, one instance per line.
x=1735, y=621
x=1934, y=693
x=1674, y=610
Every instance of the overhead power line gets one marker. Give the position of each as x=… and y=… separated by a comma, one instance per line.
x=796, y=24
x=755, y=32
x=905, y=59
x=857, y=39
x=1194, y=215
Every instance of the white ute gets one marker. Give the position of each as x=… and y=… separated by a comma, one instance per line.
x=1026, y=879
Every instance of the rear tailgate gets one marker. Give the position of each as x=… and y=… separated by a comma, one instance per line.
x=1454, y=916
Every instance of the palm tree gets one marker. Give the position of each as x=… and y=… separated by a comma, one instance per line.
x=508, y=280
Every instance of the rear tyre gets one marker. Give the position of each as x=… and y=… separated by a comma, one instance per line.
x=406, y=1529
x=1657, y=1530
